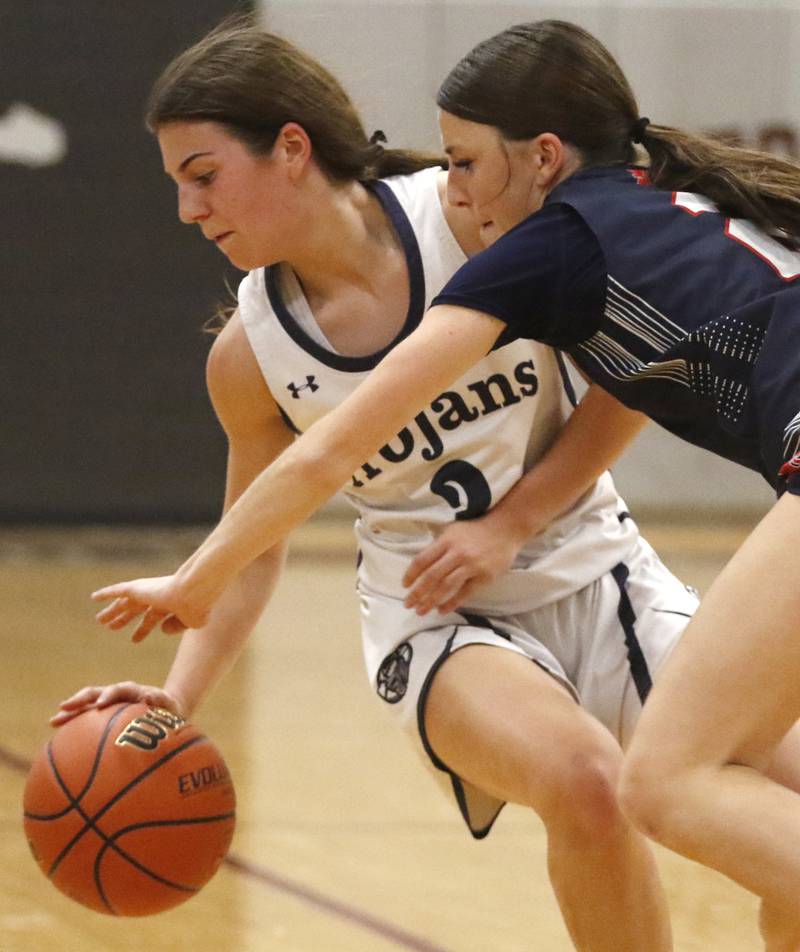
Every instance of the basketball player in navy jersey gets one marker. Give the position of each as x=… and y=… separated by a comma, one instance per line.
x=673, y=287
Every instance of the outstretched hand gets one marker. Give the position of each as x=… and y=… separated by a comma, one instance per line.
x=97, y=697
x=465, y=556
x=159, y=601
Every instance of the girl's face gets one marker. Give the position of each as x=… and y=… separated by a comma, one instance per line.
x=500, y=181
x=241, y=202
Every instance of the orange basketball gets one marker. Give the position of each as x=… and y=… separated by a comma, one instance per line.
x=129, y=810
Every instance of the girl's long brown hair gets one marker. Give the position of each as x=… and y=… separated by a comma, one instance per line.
x=254, y=82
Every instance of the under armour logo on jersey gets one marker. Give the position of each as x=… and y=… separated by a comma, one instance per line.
x=308, y=385
x=393, y=674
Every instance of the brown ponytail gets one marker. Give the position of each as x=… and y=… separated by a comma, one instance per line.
x=743, y=183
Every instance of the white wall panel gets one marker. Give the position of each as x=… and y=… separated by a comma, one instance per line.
x=712, y=69
x=380, y=51
x=467, y=23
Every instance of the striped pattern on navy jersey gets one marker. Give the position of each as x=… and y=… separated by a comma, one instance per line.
x=791, y=437
x=650, y=331
x=716, y=360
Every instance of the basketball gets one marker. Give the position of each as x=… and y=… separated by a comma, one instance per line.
x=129, y=810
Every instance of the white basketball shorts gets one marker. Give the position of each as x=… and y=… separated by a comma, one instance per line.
x=604, y=644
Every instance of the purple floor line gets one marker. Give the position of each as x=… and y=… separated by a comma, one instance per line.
x=364, y=920
x=313, y=898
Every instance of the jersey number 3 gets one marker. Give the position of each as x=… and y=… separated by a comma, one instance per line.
x=784, y=261
x=463, y=487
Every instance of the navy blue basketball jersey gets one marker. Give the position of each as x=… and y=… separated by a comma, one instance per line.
x=677, y=311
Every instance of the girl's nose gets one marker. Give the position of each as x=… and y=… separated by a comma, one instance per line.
x=191, y=207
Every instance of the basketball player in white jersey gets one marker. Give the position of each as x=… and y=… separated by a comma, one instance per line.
x=524, y=687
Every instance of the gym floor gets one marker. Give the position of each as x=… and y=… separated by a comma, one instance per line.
x=343, y=843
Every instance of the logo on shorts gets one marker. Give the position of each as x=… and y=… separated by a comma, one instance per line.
x=393, y=674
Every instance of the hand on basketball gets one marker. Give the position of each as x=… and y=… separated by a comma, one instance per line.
x=103, y=696
x=465, y=556
x=159, y=601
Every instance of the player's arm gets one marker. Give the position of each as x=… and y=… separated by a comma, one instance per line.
x=447, y=343
x=472, y=553
x=256, y=434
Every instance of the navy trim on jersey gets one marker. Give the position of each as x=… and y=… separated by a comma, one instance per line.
x=627, y=618
x=565, y=378
x=416, y=303
x=288, y=420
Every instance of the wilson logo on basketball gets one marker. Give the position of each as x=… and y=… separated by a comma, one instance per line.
x=197, y=780
x=148, y=731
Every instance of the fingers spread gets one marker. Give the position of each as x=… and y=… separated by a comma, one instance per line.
x=81, y=698
x=424, y=560
x=430, y=580
x=459, y=597
x=108, y=592
x=172, y=625
x=446, y=591
x=94, y=697
x=112, y=611
x=74, y=705
x=119, y=613
x=150, y=620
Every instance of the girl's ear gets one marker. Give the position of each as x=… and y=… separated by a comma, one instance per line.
x=294, y=146
x=549, y=155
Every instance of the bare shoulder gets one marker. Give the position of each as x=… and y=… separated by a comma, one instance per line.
x=238, y=391
x=466, y=232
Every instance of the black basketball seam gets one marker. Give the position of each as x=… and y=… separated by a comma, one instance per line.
x=90, y=822
x=92, y=772
x=110, y=843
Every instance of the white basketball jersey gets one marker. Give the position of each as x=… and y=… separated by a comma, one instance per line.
x=459, y=455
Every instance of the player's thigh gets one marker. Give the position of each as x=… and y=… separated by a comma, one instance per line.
x=502, y=723
x=783, y=765
x=731, y=689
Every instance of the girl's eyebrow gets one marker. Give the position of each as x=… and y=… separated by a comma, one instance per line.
x=191, y=158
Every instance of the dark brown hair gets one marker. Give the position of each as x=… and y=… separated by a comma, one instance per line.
x=253, y=82
x=553, y=76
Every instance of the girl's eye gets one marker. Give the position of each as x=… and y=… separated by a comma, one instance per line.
x=462, y=164
x=206, y=179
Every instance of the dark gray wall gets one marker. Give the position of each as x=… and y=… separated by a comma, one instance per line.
x=103, y=292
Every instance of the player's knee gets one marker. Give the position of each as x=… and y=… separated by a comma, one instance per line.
x=584, y=800
x=780, y=928
x=646, y=793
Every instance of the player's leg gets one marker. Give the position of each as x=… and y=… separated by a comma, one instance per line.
x=694, y=777
x=780, y=928
x=505, y=726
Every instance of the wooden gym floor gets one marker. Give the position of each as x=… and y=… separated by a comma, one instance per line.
x=343, y=844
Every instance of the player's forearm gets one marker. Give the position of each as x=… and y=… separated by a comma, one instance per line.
x=594, y=437
x=207, y=654
x=279, y=500
x=313, y=468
